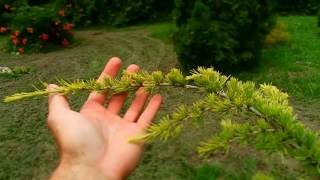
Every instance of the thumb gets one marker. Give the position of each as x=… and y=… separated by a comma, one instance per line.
x=56, y=101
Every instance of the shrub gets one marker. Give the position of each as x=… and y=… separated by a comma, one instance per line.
x=6, y=9
x=37, y=28
x=304, y=7
x=227, y=34
x=115, y=12
x=278, y=35
x=75, y=11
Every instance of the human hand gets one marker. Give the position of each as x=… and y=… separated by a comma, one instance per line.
x=93, y=143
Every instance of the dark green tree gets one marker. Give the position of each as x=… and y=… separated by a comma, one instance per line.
x=226, y=34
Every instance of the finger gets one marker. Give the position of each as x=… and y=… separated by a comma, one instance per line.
x=58, y=104
x=150, y=112
x=110, y=70
x=117, y=101
x=136, y=106
x=56, y=101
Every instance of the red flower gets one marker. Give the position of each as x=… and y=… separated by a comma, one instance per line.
x=24, y=41
x=20, y=50
x=3, y=29
x=44, y=37
x=68, y=26
x=15, y=41
x=17, y=33
x=13, y=37
x=61, y=13
x=65, y=42
x=30, y=30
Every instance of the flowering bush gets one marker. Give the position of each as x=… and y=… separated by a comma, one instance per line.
x=36, y=28
x=73, y=11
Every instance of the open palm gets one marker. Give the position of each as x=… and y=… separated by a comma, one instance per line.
x=97, y=136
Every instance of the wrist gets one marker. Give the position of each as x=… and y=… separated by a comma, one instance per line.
x=77, y=169
x=70, y=168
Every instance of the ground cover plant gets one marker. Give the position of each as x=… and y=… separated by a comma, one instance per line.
x=14, y=72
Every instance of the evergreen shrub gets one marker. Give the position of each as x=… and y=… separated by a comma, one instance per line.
x=226, y=34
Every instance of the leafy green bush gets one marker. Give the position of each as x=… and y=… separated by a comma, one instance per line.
x=306, y=7
x=227, y=34
x=36, y=28
x=115, y=12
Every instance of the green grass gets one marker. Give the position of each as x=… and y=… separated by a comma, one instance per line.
x=294, y=66
x=163, y=31
x=27, y=150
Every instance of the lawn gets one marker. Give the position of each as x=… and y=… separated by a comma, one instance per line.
x=294, y=67
x=27, y=150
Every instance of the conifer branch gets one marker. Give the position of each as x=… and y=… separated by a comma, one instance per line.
x=275, y=128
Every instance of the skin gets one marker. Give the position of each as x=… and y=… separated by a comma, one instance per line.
x=93, y=143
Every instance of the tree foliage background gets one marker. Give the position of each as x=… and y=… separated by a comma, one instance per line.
x=226, y=34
